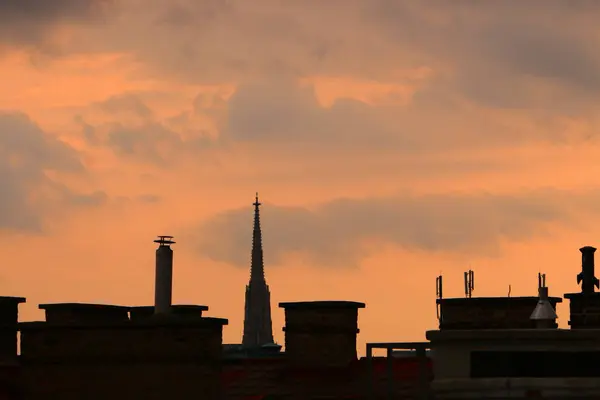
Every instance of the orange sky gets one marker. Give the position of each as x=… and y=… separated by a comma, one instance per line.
x=388, y=147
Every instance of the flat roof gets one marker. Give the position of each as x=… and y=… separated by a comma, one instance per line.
x=81, y=306
x=322, y=304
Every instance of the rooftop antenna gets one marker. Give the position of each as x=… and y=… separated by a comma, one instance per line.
x=541, y=280
x=469, y=283
x=509, y=290
x=439, y=294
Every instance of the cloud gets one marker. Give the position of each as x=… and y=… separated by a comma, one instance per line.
x=486, y=50
x=286, y=113
x=502, y=74
x=36, y=23
x=28, y=156
x=539, y=53
x=341, y=232
x=149, y=198
x=127, y=125
x=282, y=122
x=288, y=116
x=503, y=54
x=126, y=103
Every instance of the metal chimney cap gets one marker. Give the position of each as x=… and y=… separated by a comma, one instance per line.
x=164, y=240
x=544, y=310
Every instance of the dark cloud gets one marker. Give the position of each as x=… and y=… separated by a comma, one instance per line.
x=338, y=233
x=534, y=54
x=286, y=113
x=487, y=49
x=27, y=154
x=484, y=47
x=289, y=116
x=32, y=23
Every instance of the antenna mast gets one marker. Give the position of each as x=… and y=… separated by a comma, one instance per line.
x=438, y=293
x=469, y=283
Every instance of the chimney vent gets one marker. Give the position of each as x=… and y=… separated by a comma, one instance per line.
x=163, y=286
x=544, y=315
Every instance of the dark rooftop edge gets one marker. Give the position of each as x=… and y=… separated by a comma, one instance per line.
x=166, y=321
x=12, y=299
x=89, y=306
x=579, y=294
x=322, y=304
x=493, y=299
x=82, y=306
x=516, y=334
x=176, y=306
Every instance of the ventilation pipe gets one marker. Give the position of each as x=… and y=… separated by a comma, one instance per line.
x=163, y=286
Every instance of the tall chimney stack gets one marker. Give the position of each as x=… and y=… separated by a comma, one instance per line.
x=587, y=276
x=163, y=285
x=321, y=333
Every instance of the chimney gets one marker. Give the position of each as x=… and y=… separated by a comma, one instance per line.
x=321, y=333
x=584, y=306
x=163, y=286
x=544, y=315
x=587, y=276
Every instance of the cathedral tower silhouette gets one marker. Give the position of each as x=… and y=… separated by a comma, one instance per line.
x=258, y=328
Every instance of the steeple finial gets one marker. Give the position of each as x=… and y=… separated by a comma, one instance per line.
x=256, y=202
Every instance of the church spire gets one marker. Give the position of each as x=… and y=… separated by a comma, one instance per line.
x=258, y=328
x=257, y=268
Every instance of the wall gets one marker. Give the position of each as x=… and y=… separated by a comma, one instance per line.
x=584, y=310
x=172, y=359
x=489, y=312
x=452, y=351
x=321, y=332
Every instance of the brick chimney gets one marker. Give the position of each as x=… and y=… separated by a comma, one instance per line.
x=321, y=333
x=584, y=306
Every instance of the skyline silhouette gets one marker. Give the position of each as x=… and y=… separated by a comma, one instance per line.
x=388, y=147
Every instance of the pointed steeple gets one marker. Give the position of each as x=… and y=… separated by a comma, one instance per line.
x=258, y=328
x=257, y=267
